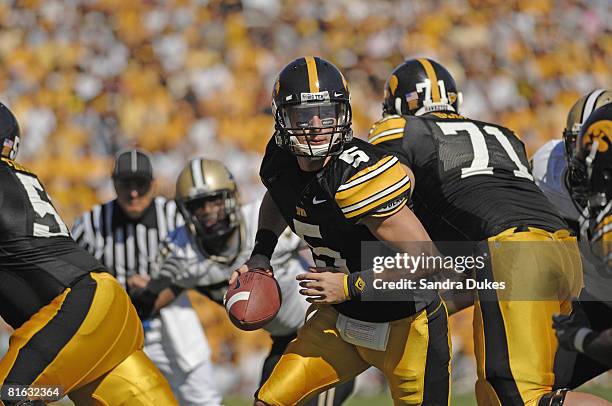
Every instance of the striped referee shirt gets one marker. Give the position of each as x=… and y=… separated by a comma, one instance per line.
x=126, y=247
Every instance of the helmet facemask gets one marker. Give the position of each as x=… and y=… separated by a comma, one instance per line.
x=313, y=129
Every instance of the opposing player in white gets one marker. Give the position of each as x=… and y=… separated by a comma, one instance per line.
x=217, y=238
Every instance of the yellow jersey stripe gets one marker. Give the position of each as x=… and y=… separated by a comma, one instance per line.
x=366, y=192
x=401, y=188
x=313, y=76
x=395, y=122
x=431, y=74
x=388, y=138
x=343, y=189
x=370, y=168
x=398, y=132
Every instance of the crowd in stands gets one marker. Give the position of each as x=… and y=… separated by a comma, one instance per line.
x=185, y=77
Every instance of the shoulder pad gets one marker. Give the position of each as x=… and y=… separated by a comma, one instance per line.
x=389, y=128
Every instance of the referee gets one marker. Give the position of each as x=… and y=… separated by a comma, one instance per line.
x=124, y=234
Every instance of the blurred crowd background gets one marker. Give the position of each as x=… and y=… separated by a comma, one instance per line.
x=193, y=77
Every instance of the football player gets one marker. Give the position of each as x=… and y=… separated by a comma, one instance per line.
x=75, y=327
x=218, y=236
x=563, y=179
x=472, y=183
x=593, y=156
x=336, y=192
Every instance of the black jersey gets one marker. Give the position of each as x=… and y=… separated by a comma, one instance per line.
x=472, y=178
x=325, y=208
x=38, y=259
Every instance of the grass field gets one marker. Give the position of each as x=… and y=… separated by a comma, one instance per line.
x=385, y=399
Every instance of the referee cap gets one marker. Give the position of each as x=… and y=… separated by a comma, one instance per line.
x=133, y=163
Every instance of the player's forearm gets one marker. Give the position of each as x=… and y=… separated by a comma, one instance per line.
x=599, y=347
x=270, y=217
x=271, y=225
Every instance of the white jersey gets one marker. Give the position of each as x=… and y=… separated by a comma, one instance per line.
x=191, y=268
x=549, y=171
x=549, y=167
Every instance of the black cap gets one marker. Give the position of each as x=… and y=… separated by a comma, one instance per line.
x=133, y=163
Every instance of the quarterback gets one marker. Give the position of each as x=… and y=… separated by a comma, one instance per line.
x=336, y=192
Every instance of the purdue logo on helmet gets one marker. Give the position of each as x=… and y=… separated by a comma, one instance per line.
x=594, y=153
x=207, y=197
x=9, y=133
x=311, y=107
x=419, y=86
x=578, y=114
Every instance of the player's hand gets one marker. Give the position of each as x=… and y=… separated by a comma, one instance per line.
x=322, y=286
x=138, y=281
x=255, y=262
x=567, y=326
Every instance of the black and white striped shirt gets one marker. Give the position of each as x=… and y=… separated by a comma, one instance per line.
x=125, y=246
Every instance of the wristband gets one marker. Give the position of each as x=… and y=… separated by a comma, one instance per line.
x=265, y=242
x=346, y=289
x=579, y=338
x=355, y=285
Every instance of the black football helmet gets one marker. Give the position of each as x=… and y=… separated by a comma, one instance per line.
x=578, y=114
x=594, y=155
x=311, y=108
x=9, y=133
x=419, y=86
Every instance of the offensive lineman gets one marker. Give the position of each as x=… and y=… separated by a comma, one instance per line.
x=75, y=326
x=218, y=236
x=336, y=192
x=472, y=183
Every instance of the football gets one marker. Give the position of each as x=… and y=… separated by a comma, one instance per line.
x=253, y=300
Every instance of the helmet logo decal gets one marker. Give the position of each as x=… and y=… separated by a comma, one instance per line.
x=313, y=76
x=306, y=97
x=599, y=131
x=393, y=82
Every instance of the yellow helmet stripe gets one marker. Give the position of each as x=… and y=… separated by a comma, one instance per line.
x=313, y=76
x=431, y=74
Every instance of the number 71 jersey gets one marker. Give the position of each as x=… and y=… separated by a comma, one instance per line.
x=472, y=178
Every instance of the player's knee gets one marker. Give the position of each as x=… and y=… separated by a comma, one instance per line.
x=554, y=398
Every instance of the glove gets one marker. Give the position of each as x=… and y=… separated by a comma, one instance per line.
x=572, y=329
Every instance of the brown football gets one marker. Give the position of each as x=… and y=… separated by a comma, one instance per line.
x=253, y=300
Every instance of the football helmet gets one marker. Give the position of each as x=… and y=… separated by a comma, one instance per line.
x=9, y=133
x=207, y=197
x=311, y=107
x=594, y=154
x=419, y=86
x=578, y=114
